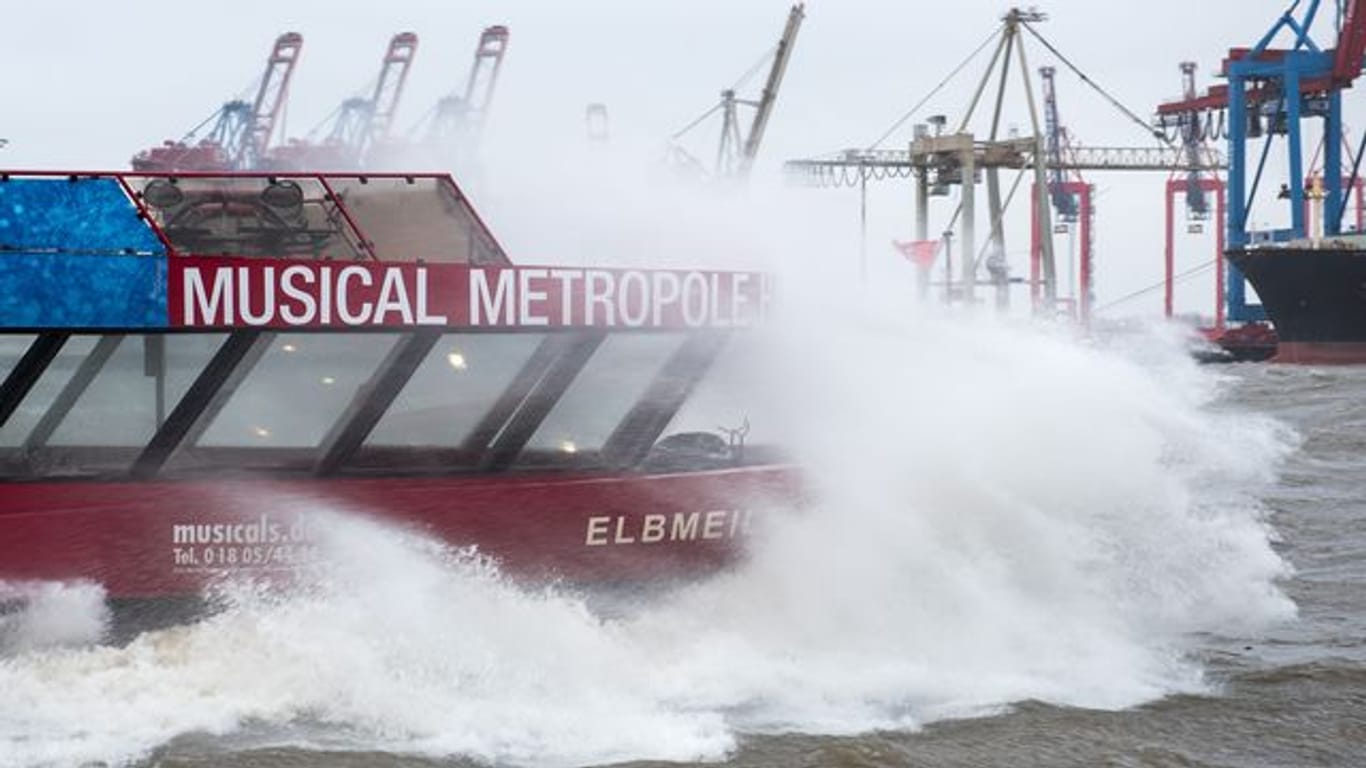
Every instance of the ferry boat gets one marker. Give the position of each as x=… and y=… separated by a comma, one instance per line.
x=193, y=364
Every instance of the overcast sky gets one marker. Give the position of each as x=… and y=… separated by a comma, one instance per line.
x=89, y=83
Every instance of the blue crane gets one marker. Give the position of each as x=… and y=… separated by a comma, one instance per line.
x=1270, y=93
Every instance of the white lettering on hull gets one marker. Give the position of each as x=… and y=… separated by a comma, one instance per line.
x=265, y=542
x=628, y=530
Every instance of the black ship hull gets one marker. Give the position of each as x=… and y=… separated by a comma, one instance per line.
x=1315, y=297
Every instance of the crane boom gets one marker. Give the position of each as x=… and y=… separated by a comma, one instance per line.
x=764, y=109
x=1343, y=66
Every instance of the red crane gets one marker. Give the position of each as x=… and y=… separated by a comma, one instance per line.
x=360, y=122
x=458, y=119
x=242, y=131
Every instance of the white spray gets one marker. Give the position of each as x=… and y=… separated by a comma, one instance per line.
x=998, y=513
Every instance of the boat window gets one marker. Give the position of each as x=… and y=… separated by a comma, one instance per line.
x=731, y=396
x=297, y=391
x=45, y=390
x=12, y=348
x=453, y=389
x=276, y=218
x=134, y=390
x=416, y=219
x=599, y=398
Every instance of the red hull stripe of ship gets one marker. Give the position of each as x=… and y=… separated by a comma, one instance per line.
x=1321, y=352
x=237, y=292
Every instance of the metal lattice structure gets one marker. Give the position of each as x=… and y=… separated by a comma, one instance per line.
x=1270, y=93
x=242, y=131
x=738, y=148
x=459, y=117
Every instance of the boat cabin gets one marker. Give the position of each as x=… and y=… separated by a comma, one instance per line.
x=192, y=326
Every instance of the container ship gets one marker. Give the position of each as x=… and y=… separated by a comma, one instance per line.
x=1314, y=295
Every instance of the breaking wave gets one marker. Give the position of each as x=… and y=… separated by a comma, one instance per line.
x=999, y=514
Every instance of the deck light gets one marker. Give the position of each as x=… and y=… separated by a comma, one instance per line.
x=287, y=347
x=567, y=446
x=284, y=195
x=456, y=360
x=260, y=432
x=163, y=194
x=328, y=381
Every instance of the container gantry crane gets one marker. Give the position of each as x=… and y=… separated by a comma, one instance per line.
x=1193, y=130
x=360, y=123
x=366, y=122
x=937, y=162
x=1270, y=92
x=458, y=120
x=242, y=131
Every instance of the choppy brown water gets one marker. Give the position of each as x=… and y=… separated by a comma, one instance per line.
x=1293, y=697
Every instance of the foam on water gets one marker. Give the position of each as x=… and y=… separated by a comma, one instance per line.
x=999, y=513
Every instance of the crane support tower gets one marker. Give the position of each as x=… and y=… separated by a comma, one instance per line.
x=242, y=131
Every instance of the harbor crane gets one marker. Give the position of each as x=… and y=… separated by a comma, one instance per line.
x=1270, y=93
x=1072, y=197
x=457, y=122
x=936, y=162
x=737, y=150
x=242, y=131
x=363, y=123
x=1193, y=131
x=360, y=123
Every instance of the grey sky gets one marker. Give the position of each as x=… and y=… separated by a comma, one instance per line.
x=89, y=83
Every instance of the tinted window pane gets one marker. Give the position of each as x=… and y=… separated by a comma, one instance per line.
x=731, y=395
x=12, y=348
x=411, y=219
x=40, y=398
x=120, y=407
x=612, y=382
x=298, y=390
x=453, y=389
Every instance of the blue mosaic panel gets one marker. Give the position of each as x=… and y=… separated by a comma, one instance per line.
x=57, y=290
x=91, y=216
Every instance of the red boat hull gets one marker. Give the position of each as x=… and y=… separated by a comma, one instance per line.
x=170, y=538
